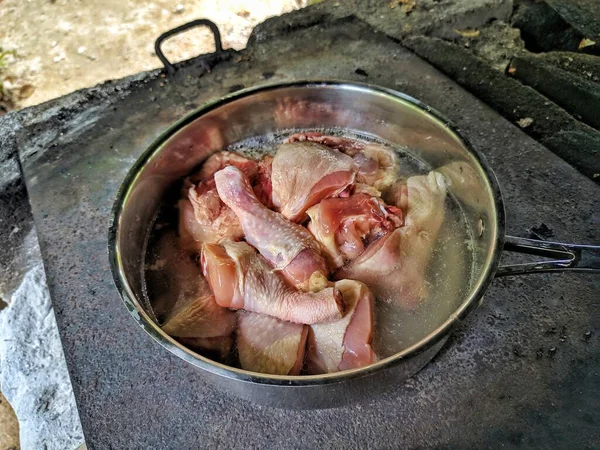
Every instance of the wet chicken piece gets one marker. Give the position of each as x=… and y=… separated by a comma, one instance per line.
x=215, y=347
x=269, y=345
x=377, y=164
x=304, y=173
x=346, y=343
x=287, y=246
x=242, y=279
x=203, y=217
x=344, y=226
x=192, y=310
x=394, y=267
x=262, y=185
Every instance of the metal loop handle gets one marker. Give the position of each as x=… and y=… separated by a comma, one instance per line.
x=563, y=257
x=170, y=68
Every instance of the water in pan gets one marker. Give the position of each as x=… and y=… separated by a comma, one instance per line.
x=448, y=277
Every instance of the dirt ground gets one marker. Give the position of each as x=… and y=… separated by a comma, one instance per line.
x=65, y=45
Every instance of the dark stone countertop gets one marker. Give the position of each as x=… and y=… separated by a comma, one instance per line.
x=519, y=373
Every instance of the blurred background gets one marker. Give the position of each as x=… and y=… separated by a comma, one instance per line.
x=49, y=48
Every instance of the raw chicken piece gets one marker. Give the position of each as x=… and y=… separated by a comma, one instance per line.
x=378, y=164
x=242, y=279
x=464, y=183
x=345, y=344
x=193, y=311
x=289, y=247
x=304, y=173
x=394, y=267
x=344, y=225
x=222, y=159
x=203, y=217
x=262, y=183
x=397, y=194
x=269, y=345
x=215, y=347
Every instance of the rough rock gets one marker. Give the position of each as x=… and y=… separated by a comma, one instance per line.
x=583, y=15
x=433, y=17
x=572, y=140
x=33, y=372
x=34, y=377
x=573, y=91
x=542, y=28
x=496, y=42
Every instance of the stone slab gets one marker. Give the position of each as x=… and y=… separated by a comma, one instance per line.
x=506, y=378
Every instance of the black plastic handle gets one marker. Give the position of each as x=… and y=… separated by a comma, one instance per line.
x=170, y=68
x=563, y=257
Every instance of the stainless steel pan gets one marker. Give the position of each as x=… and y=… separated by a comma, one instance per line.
x=389, y=115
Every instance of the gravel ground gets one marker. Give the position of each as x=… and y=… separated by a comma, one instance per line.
x=65, y=45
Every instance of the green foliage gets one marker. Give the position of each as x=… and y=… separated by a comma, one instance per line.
x=3, y=57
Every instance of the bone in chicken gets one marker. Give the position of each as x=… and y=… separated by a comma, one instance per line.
x=269, y=345
x=203, y=217
x=344, y=226
x=287, y=246
x=346, y=343
x=194, y=312
x=377, y=164
x=242, y=279
x=304, y=173
x=394, y=267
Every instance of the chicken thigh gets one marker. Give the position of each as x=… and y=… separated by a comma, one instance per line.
x=193, y=311
x=304, y=173
x=345, y=344
x=269, y=345
x=394, y=267
x=344, y=226
x=377, y=164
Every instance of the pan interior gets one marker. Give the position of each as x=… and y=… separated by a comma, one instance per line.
x=253, y=123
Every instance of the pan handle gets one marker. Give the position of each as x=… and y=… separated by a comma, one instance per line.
x=170, y=68
x=563, y=257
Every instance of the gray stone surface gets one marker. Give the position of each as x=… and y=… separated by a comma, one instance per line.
x=427, y=17
x=542, y=28
x=33, y=372
x=575, y=92
x=583, y=15
x=575, y=142
x=507, y=377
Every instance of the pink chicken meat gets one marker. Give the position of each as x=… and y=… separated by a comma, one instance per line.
x=344, y=226
x=346, y=343
x=394, y=267
x=242, y=279
x=287, y=246
x=203, y=217
x=377, y=164
x=193, y=311
x=269, y=345
x=304, y=173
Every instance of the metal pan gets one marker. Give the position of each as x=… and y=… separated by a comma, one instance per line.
x=389, y=115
